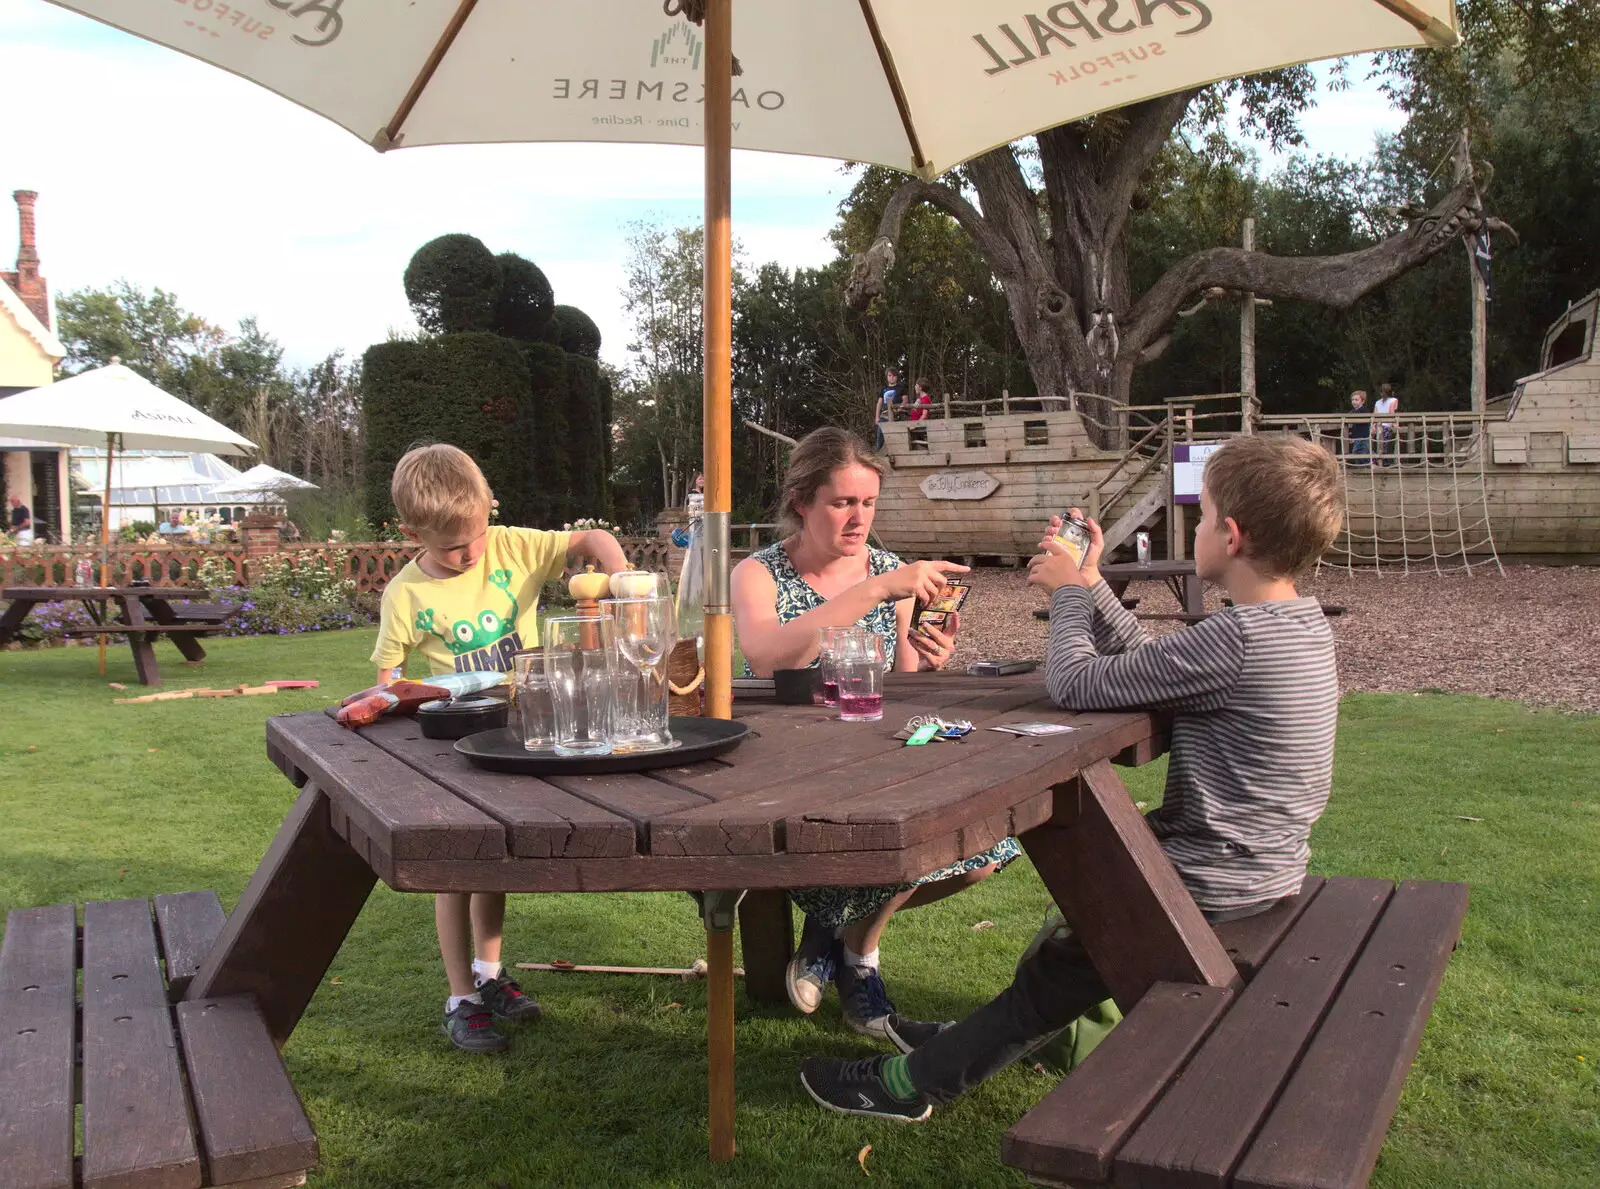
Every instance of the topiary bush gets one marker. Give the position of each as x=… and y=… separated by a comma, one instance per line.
x=554, y=452
x=470, y=390
x=525, y=301
x=453, y=285
x=575, y=332
x=587, y=431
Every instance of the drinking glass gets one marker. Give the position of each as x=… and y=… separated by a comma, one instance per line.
x=577, y=661
x=831, y=644
x=858, y=665
x=533, y=700
x=643, y=632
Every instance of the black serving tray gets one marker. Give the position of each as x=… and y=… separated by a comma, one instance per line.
x=698, y=739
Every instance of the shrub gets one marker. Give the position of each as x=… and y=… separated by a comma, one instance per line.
x=588, y=434
x=575, y=332
x=453, y=285
x=525, y=300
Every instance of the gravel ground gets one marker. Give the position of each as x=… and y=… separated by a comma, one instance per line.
x=1532, y=636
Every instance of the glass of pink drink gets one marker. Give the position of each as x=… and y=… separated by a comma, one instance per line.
x=830, y=641
x=858, y=667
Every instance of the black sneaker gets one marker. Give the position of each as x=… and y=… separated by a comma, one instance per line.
x=812, y=967
x=869, y=1011
x=854, y=1088
x=471, y=1029
x=508, y=1001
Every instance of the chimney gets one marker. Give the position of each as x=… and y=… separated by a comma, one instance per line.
x=30, y=286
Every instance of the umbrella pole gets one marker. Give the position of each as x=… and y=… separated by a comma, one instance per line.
x=718, y=459
x=105, y=535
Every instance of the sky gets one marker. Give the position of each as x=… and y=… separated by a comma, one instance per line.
x=170, y=173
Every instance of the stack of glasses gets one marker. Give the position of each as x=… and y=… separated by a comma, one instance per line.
x=851, y=662
x=599, y=684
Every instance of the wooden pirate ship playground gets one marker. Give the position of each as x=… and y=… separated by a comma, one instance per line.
x=1433, y=491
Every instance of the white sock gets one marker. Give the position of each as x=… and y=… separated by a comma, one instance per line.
x=482, y=972
x=455, y=1001
x=870, y=961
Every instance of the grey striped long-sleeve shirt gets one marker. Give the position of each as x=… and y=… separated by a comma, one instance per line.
x=1255, y=696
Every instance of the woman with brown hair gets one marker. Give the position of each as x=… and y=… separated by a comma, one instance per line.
x=825, y=574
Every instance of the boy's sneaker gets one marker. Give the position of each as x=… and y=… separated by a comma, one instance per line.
x=508, y=1001
x=854, y=1088
x=812, y=967
x=471, y=1029
x=869, y=1010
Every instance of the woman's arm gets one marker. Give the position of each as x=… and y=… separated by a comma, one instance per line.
x=769, y=645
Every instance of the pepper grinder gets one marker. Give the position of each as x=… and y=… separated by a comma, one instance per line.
x=587, y=589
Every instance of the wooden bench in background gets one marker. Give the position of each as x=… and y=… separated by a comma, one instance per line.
x=1288, y=1082
x=175, y=1095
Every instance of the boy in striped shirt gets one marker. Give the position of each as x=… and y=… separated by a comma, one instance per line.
x=1255, y=697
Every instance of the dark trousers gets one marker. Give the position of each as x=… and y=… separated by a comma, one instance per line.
x=1054, y=985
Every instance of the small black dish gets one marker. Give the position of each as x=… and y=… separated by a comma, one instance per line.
x=795, y=687
x=462, y=717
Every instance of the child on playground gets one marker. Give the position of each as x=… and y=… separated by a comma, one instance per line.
x=1255, y=697
x=470, y=600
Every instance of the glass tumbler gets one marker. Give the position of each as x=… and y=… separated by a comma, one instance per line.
x=643, y=632
x=858, y=665
x=577, y=661
x=533, y=700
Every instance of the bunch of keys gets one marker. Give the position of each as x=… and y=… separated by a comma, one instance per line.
x=923, y=727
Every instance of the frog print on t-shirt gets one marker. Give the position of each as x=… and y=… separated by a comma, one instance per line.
x=488, y=640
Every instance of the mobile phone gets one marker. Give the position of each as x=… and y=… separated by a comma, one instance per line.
x=1000, y=668
x=937, y=613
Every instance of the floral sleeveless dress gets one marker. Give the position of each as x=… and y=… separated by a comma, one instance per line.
x=834, y=908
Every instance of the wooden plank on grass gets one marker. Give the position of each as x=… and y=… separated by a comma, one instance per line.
x=1198, y=1132
x=189, y=923
x=136, y=1130
x=1075, y=1131
x=251, y=1122
x=1330, y=1121
x=38, y=977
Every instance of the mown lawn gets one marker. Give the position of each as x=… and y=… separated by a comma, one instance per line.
x=105, y=801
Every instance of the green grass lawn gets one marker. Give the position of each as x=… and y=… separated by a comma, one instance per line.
x=105, y=801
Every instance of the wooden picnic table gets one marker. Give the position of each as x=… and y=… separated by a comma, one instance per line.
x=807, y=800
x=1180, y=577
x=142, y=613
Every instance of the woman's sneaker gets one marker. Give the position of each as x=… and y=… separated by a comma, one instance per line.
x=508, y=1001
x=855, y=1088
x=471, y=1029
x=868, y=1010
x=812, y=968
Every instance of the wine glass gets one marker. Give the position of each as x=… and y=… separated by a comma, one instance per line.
x=643, y=633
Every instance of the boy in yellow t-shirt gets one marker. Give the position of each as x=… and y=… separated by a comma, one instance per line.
x=468, y=601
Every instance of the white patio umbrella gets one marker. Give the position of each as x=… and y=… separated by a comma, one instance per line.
x=115, y=405
x=259, y=480
x=917, y=85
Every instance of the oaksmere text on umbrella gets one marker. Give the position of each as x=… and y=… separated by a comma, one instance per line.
x=1062, y=19
x=617, y=88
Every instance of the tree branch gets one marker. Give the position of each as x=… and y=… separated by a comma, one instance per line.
x=1149, y=127
x=871, y=267
x=1330, y=280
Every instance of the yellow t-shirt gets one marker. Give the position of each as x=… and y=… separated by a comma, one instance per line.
x=475, y=620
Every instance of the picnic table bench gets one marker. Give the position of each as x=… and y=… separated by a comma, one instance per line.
x=143, y=613
x=176, y=1093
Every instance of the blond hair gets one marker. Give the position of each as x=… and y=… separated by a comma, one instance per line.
x=1284, y=493
x=814, y=460
x=437, y=488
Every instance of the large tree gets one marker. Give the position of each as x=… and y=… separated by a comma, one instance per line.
x=1051, y=214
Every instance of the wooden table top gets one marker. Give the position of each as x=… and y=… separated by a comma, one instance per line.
x=806, y=800
x=56, y=594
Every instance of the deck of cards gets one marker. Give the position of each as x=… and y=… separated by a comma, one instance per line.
x=1034, y=728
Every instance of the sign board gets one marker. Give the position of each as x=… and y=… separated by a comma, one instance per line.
x=1188, y=464
x=960, y=485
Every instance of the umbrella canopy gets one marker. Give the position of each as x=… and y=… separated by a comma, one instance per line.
x=83, y=409
x=917, y=85
x=259, y=480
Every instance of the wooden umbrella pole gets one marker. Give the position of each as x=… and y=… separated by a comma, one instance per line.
x=105, y=535
x=718, y=390
x=718, y=451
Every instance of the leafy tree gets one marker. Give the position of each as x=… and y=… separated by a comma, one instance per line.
x=524, y=299
x=453, y=285
x=575, y=332
x=149, y=332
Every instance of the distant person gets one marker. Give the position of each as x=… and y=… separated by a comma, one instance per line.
x=21, y=521
x=888, y=399
x=1388, y=403
x=1360, y=444
x=921, y=400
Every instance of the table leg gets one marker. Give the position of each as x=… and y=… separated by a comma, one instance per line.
x=1120, y=893
x=11, y=621
x=1194, y=594
x=283, y=934
x=144, y=649
x=766, y=932
x=718, y=911
x=161, y=611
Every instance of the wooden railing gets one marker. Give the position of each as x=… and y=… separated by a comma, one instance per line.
x=1417, y=440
